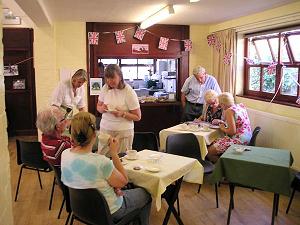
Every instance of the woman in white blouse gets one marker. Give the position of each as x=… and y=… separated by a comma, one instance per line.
x=70, y=93
x=120, y=107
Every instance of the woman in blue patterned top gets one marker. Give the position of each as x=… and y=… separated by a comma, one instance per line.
x=82, y=169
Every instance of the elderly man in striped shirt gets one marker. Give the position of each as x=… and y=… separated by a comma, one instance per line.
x=192, y=92
x=52, y=123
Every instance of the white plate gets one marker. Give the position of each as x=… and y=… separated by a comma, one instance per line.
x=214, y=126
x=153, y=169
x=130, y=158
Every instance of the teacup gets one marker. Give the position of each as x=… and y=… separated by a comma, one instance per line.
x=153, y=160
x=131, y=154
x=193, y=127
x=205, y=127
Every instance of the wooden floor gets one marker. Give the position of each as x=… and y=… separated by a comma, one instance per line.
x=196, y=209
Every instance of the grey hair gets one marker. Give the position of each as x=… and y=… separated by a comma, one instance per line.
x=210, y=95
x=226, y=98
x=199, y=69
x=47, y=119
x=80, y=74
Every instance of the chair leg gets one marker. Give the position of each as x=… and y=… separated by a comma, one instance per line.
x=52, y=191
x=178, y=209
x=217, y=197
x=61, y=207
x=18, y=186
x=72, y=220
x=199, y=188
x=290, y=202
x=39, y=176
x=68, y=218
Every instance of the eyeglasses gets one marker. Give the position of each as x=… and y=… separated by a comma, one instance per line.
x=68, y=110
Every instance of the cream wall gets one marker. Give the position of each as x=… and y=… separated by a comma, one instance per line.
x=6, y=216
x=61, y=46
x=276, y=120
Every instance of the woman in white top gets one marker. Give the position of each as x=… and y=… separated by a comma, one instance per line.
x=120, y=107
x=70, y=93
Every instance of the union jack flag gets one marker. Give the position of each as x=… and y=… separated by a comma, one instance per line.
x=249, y=61
x=227, y=58
x=218, y=45
x=120, y=36
x=93, y=38
x=272, y=68
x=211, y=39
x=163, y=43
x=139, y=33
x=187, y=45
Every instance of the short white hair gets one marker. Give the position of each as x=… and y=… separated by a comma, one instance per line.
x=199, y=69
x=226, y=98
x=210, y=95
x=48, y=118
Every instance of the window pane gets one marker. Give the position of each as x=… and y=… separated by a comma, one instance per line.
x=289, y=86
x=143, y=72
x=264, y=50
x=128, y=61
x=254, y=78
x=274, y=45
x=284, y=54
x=129, y=72
x=109, y=61
x=295, y=46
x=268, y=81
x=145, y=61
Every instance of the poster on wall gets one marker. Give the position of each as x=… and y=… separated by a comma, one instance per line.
x=11, y=70
x=95, y=86
x=140, y=49
x=19, y=84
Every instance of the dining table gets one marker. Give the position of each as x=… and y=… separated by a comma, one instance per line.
x=172, y=170
x=204, y=137
x=261, y=168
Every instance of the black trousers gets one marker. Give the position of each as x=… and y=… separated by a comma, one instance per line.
x=191, y=111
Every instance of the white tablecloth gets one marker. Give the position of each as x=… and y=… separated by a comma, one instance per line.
x=172, y=168
x=204, y=137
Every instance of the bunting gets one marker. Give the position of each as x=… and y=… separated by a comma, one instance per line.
x=120, y=36
x=187, y=45
x=139, y=34
x=93, y=38
x=163, y=43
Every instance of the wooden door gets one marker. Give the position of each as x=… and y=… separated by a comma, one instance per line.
x=20, y=89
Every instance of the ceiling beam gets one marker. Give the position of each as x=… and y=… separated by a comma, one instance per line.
x=35, y=11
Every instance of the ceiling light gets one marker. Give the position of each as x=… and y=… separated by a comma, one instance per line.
x=194, y=0
x=158, y=16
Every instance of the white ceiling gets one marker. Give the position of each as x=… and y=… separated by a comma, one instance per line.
x=127, y=11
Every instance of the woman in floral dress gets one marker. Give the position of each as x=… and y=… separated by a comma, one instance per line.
x=236, y=127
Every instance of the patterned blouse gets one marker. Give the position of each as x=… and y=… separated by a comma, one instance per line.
x=210, y=116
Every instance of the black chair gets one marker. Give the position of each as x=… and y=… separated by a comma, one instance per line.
x=30, y=156
x=254, y=136
x=90, y=207
x=145, y=140
x=296, y=186
x=65, y=191
x=187, y=145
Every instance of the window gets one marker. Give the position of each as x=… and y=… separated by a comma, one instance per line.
x=280, y=49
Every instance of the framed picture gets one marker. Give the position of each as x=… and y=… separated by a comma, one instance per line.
x=19, y=84
x=11, y=70
x=95, y=86
x=140, y=49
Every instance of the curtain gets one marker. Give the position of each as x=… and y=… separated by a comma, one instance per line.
x=224, y=45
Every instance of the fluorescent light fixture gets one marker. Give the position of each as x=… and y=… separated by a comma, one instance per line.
x=158, y=16
x=194, y=0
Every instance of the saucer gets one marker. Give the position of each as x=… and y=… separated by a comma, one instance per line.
x=153, y=169
x=131, y=158
x=214, y=126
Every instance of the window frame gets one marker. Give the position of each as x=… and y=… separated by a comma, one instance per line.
x=265, y=96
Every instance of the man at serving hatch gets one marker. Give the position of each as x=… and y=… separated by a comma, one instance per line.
x=192, y=92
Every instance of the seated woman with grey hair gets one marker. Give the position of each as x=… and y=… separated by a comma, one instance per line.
x=212, y=109
x=52, y=123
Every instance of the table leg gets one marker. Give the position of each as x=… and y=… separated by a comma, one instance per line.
x=275, y=207
x=231, y=189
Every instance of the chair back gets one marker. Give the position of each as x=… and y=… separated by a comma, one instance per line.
x=145, y=140
x=184, y=145
x=90, y=206
x=254, y=136
x=64, y=188
x=30, y=154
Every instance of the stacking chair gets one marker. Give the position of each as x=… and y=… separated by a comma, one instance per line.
x=145, y=140
x=296, y=186
x=187, y=145
x=254, y=136
x=65, y=191
x=30, y=156
x=90, y=207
